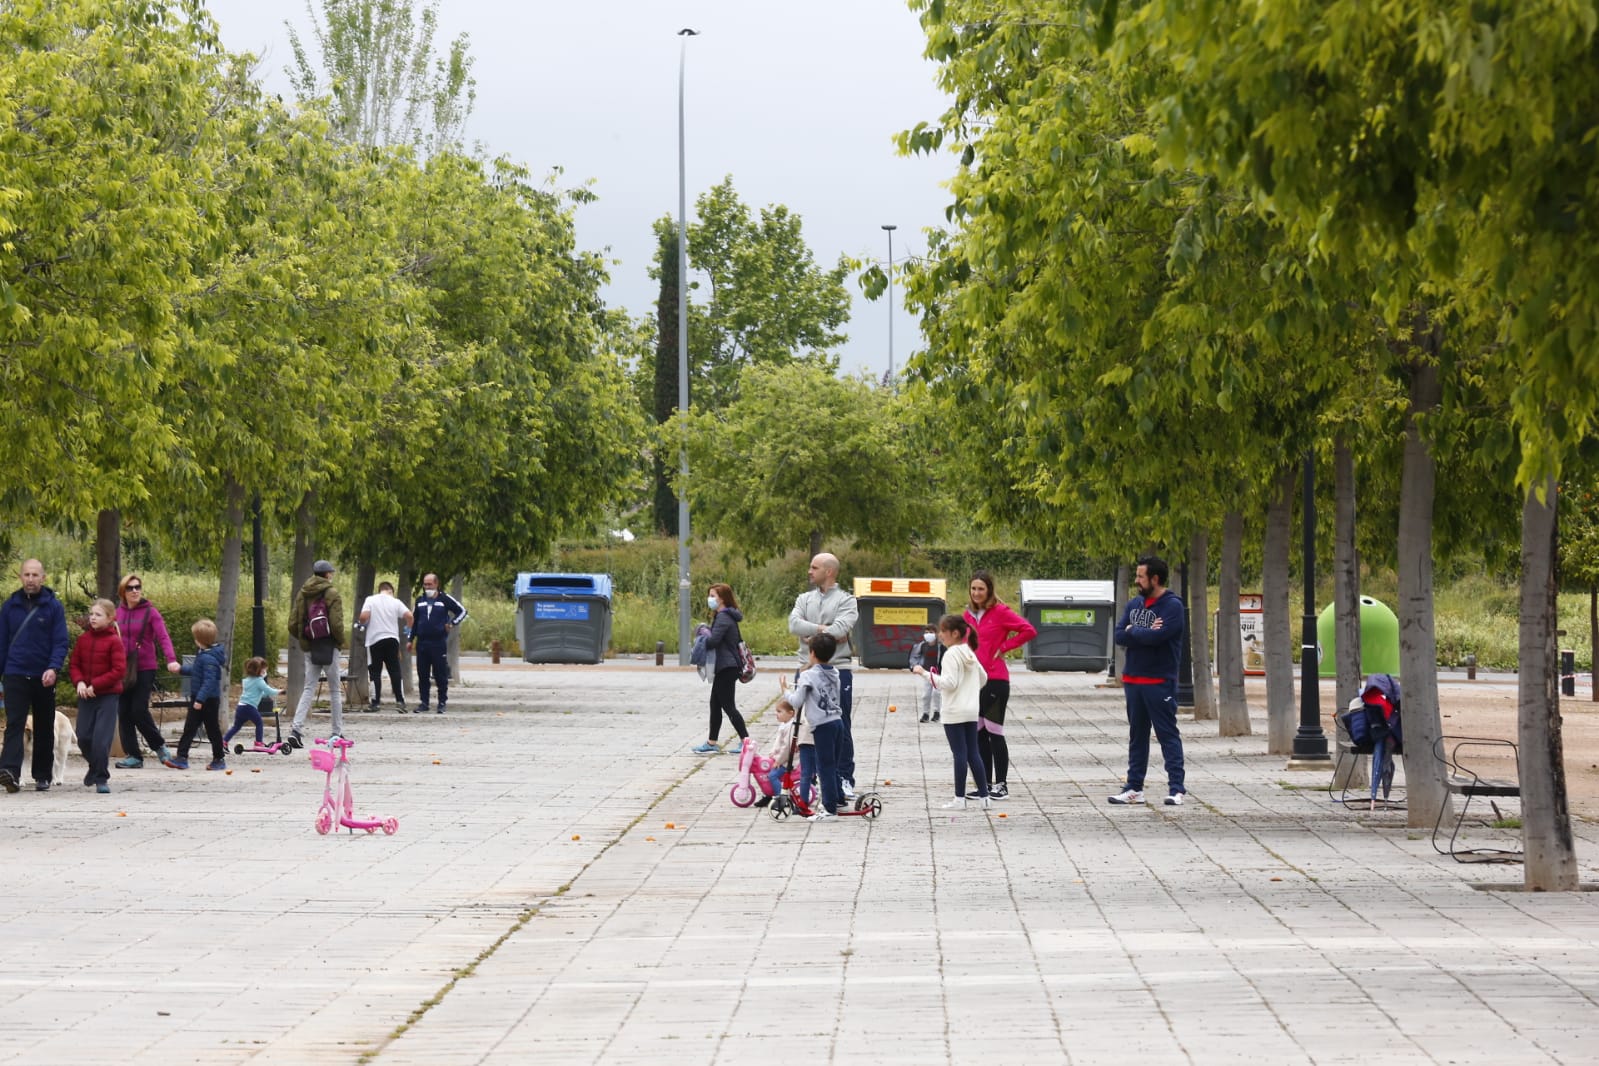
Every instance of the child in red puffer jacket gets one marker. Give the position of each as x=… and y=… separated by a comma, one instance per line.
x=99, y=662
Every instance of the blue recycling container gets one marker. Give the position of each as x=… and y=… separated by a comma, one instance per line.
x=563, y=618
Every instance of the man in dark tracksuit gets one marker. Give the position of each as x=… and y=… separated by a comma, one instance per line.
x=435, y=615
x=1151, y=629
x=33, y=648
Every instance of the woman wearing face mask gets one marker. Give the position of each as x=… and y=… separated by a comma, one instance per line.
x=722, y=644
x=927, y=654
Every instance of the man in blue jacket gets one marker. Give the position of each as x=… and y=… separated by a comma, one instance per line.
x=436, y=614
x=33, y=648
x=1151, y=629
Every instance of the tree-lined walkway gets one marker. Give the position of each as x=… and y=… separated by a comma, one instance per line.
x=535, y=907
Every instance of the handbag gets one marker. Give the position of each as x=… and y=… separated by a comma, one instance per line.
x=746, y=661
x=130, y=673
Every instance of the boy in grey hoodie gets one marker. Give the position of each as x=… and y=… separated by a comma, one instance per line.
x=815, y=695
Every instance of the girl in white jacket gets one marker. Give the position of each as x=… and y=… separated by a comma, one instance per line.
x=959, y=680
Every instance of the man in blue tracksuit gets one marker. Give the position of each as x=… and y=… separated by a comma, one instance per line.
x=1151, y=629
x=435, y=615
x=33, y=648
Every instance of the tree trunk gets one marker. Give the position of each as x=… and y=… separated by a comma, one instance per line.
x=107, y=553
x=1233, y=705
x=1282, y=712
x=228, y=573
x=1123, y=583
x=458, y=590
x=1351, y=771
x=304, y=556
x=1199, y=620
x=366, y=576
x=816, y=543
x=1593, y=642
x=1418, y=642
x=1551, y=861
x=402, y=588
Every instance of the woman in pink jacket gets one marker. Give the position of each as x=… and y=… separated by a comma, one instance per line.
x=999, y=630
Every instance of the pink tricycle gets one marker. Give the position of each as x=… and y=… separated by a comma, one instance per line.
x=338, y=801
x=753, y=776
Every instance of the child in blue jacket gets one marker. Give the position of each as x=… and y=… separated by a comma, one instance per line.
x=207, y=674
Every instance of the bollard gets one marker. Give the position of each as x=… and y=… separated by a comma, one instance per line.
x=494, y=652
x=660, y=653
x=1568, y=672
x=1471, y=668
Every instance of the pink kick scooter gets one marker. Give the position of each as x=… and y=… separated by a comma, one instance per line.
x=338, y=801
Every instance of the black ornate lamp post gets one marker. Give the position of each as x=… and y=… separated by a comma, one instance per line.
x=1310, y=743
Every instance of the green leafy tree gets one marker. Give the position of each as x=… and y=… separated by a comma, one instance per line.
x=378, y=65
x=766, y=303
x=1454, y=140
x=802, y=457
x=106, y=206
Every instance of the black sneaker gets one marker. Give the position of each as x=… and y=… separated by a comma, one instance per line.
x=421, y=708
x=935, y=716
x=441, y=708
x=41, y=786
x=925, y=717
x=9, y=780
x=764, y=801
x=999, y=791
x=402, y=708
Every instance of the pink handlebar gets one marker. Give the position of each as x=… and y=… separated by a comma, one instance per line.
x=336, y=742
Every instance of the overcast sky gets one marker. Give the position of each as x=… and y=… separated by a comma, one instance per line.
x=798, y=102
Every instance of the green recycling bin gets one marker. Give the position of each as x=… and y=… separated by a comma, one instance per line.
x=1379, y=639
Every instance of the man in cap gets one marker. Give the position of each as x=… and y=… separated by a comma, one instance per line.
x=318, y=597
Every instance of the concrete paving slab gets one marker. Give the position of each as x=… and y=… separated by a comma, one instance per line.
x=570, y=884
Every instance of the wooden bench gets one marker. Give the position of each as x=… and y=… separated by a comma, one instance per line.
x=1464, y=779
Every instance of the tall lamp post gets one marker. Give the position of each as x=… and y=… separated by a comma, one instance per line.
x=1310, y=743
x=890, y=230
x=684, y=639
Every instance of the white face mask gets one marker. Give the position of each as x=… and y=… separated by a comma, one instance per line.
x=712, y=602
x=430, y=593
x=929, y=637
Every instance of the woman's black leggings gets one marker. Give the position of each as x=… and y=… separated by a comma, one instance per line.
x=724, y=688
x=991, y=701
x=134, y=719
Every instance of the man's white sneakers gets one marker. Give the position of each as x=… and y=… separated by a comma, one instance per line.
x=1126, y=797
x=1176, y=799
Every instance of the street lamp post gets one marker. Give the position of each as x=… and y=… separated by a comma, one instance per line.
x=1310, y=743
x=684, y=619
x=890, y=230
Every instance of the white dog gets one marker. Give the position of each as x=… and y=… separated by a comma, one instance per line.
x=66, y=738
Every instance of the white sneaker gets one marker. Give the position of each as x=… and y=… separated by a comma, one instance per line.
x=1176, y=799
x=985, y=802
x=1127, y=796
x=956, y=804
x=821, y=816
x=848, y=788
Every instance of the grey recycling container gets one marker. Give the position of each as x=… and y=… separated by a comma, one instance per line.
x=563, y=618
x=1074, y=621
x=894, y=611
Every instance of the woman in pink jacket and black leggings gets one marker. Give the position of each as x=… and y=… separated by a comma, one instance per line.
x=999, y=630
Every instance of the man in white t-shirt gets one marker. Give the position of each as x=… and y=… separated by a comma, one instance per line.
x=382, y=615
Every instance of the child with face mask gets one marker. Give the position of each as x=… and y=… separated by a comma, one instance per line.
x=721, y=651
x=927, y=654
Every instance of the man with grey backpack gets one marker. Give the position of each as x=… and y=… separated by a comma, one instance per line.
x=317, y=621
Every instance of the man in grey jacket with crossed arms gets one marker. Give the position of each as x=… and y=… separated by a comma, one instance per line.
x=827, y=608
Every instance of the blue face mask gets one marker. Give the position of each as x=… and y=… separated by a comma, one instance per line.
x=712, y=602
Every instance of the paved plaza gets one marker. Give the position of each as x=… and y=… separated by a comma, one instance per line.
x=570, y=885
